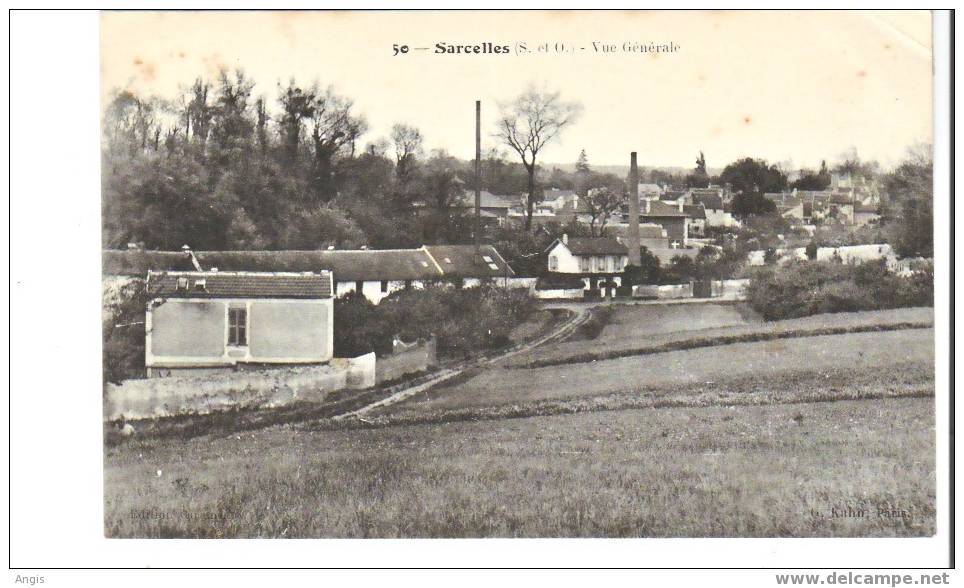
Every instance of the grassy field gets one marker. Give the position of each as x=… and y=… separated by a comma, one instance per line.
x=634, y=321
x=764, y=360
x=754, y=471
x=640, y=329
x=803, y=437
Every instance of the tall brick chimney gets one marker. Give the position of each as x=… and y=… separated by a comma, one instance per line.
x=632, y=239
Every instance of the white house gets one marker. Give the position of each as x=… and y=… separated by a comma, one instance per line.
x=714, y=207
x=213, y=321
x=599, y=261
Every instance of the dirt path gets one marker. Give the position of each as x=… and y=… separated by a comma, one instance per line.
x=579, y=316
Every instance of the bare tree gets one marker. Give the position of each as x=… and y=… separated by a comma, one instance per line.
x=601, y=203
x=407, y=142
x=529, y=123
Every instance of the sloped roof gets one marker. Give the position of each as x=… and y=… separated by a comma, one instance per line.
x=581, y=207
x=694, y=210
x=844, y=197
x=240, y=284
x=666, y=254
x=661, y=209
x=459, y=261
x=490, y=200
x=597, y=246
x=553, y=193
x=347, y=265
x=651, y=231
x=137, y=263
x=711, y=201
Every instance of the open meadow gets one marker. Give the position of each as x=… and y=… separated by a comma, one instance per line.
x=812, y=436
x=747, y=471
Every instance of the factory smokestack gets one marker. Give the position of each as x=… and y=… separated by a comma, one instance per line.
x=633, y=237
x=478, y=176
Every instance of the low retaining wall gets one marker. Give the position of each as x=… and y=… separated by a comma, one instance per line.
x=360, y=371
x=729, y=289
x=559, y=293
x=406, y=358
x=526, y=283
x=200, y=394
x=668, y=292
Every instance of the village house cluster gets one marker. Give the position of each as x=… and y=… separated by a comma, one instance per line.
x=847, y=201
x=211, y=310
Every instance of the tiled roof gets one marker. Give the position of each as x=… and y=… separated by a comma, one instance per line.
x=597, y=246
x=490, y=200
x=459, y=261
x=347, y=265
x=709, y=201
x=694, y=210
x=659, y=208
x=648, y=231
x=239, y=285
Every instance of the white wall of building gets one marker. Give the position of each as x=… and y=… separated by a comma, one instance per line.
x=562, y=261
x=373, y=289
x=718, y=218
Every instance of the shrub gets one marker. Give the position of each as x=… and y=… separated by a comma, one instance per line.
x=464, y=321
x=559, y=282
x=123, y=330
x=802, y=288
x=357, y=330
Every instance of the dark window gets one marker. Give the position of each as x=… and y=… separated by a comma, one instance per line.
x=384, y=286
x=237, y=327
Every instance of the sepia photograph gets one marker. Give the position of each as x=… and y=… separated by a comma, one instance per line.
x=597, y=274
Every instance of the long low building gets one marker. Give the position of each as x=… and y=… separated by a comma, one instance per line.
x=374, y=272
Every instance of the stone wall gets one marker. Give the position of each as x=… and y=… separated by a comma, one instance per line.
x=559, y=294
x=209, y=392
x=670, y=291
x=406, y=358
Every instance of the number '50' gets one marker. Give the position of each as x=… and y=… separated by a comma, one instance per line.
x=399, y=48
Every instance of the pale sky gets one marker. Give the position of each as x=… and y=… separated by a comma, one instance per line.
x=800, y=86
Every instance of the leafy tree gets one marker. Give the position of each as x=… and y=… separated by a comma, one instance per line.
x=753, y=176
x=442, y=193
x=910, y=189
x=699, y=178
x=407, y=144
x=583, y=174
x=750, y=179
x=813, y=181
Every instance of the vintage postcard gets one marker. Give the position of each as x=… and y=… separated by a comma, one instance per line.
x=518, y=274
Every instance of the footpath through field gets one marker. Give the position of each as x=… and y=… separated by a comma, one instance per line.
x=579, y=315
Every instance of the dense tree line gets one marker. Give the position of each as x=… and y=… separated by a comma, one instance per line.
x=225, y=167
x=221, y=168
